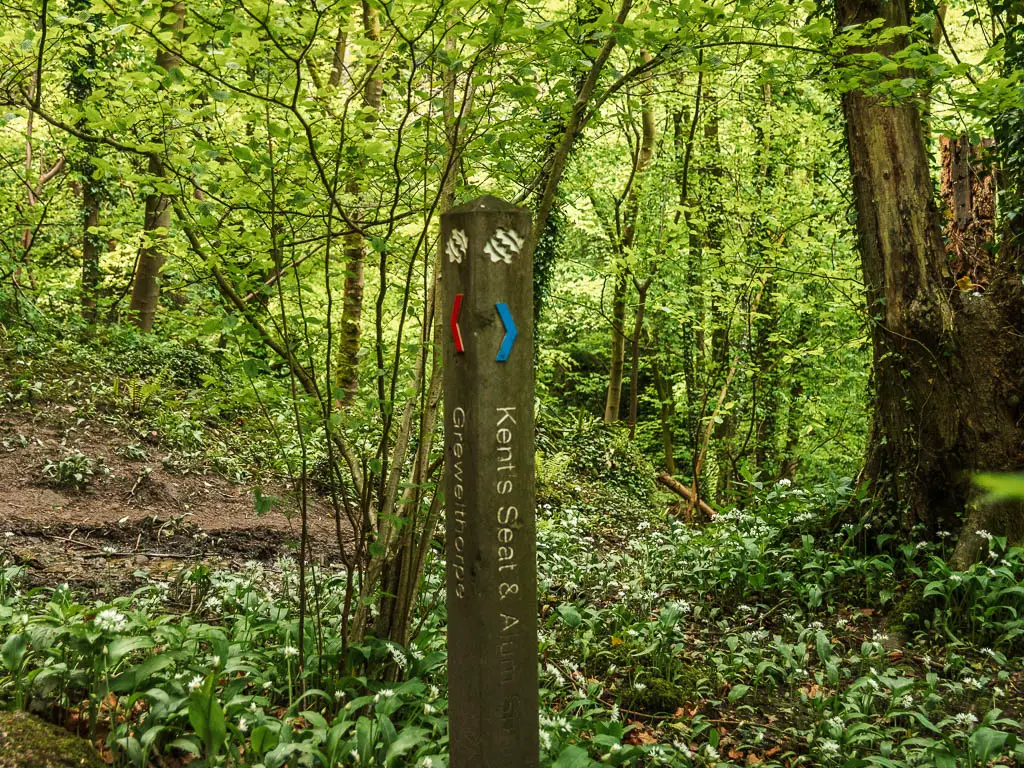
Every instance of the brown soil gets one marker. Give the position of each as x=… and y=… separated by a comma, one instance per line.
x=132, y=514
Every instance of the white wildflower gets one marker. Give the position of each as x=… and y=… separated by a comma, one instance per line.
x=965, y=719
x=290, y=650
x=195, y=683
x=243, y=725
x=110, y=620
x=829, y=747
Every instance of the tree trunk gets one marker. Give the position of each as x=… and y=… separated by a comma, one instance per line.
x=947, y=361
x=613, y=397
x=92, y=247
x=692, y=331
x=664, y=389
x=766, y=383
x=765, y=415
x=631, y=208
x=146, y=287
x=355, y=246
x=721, y=353
x=81, y=64
x=634, y=370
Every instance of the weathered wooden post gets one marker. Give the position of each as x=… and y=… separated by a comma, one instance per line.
x=489, y=486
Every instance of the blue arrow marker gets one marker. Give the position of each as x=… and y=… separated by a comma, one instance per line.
x=510, y=331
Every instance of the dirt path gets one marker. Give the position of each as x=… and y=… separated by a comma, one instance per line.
x=138, y=510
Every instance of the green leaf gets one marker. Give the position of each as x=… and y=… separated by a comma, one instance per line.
x=138, y=675
x=1001, y=487
x=573, y=757
x=987, y=743
x=207, y=717
x=823, y=646
x=14, y=651
x=737, y=692
x=184, y=743
x=122, y=646
x=570, y=615
x=406, y=740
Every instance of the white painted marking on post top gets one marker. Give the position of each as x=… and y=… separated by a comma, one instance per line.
x=503, y=245
x=457, y=245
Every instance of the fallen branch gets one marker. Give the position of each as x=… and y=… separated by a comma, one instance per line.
x=681, y=490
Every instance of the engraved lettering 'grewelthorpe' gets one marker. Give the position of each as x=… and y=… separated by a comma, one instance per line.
x=458, y=503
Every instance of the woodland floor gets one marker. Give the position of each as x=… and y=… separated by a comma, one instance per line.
x=135, y=514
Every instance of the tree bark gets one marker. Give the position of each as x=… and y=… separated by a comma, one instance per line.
x=157, y=223
x=631, y=208
x=613, y=397
x=668, y=407
x=947, y=362
x=692, y=331
x=81, y=64
x=634, y=370
x=765, y=412
x=354, y=243
x=721, y=352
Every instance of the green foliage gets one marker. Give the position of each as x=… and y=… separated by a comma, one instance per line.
x=73, y=471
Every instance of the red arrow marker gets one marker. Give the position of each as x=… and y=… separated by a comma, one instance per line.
x=456, y=333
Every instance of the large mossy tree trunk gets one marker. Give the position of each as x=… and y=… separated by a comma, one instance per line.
x=947, y=362
x=28, y=742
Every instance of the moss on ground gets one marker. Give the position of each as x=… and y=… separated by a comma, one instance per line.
x=28, y=742
x=659, y=695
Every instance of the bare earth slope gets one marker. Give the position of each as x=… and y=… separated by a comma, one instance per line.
x=135, y=511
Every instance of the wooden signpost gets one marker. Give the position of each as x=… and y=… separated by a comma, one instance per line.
x=489, y=486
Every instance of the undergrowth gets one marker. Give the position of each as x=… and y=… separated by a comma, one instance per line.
x=747, y=642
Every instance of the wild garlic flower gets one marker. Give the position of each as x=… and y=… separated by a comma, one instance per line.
x=290, y=650
x=195, y=683
x=829, y=747
x=110, y=620
x=965, y=719
x=398, y=655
